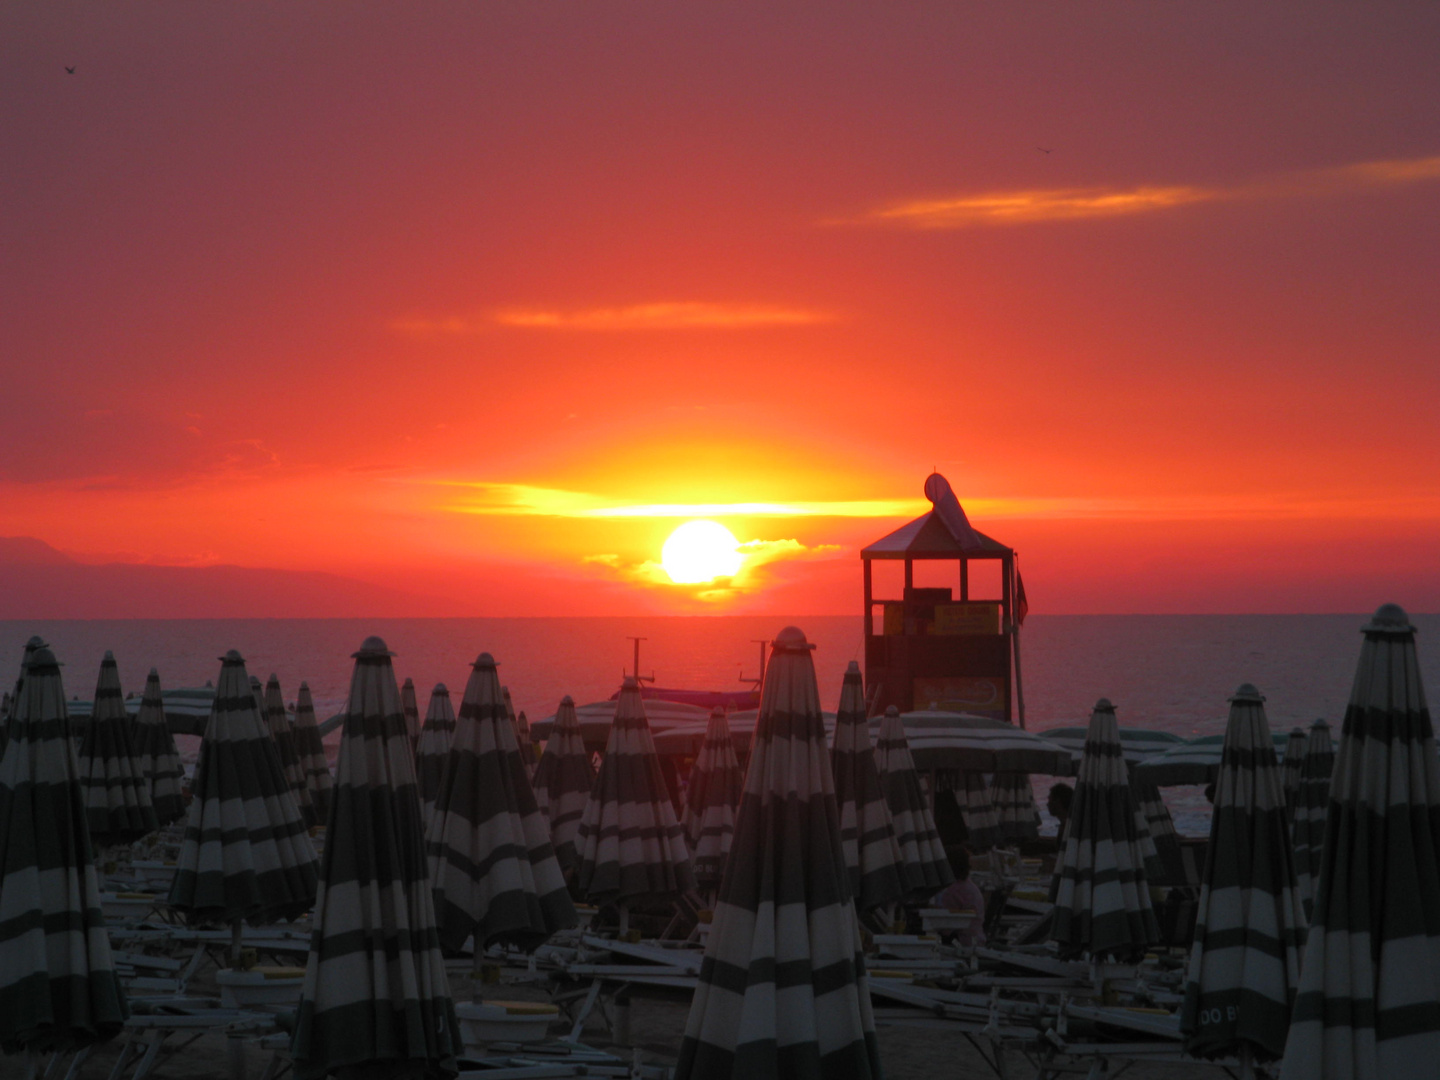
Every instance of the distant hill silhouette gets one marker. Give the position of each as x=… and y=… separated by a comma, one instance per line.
x=38, y=581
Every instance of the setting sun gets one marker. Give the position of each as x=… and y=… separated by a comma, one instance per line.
x=700, y=551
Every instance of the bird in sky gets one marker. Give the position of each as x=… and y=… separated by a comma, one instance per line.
x=1043, y=150
x=69, y=70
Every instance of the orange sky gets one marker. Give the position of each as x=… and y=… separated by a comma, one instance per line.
x=437, y=298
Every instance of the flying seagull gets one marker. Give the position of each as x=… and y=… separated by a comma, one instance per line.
x=1040, y=148
x=69, y=70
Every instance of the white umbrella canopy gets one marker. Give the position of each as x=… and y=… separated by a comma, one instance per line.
x=155, y=750
x=278, y=724
x=112, y=778
x=947, y=740
x=711, y=802
x=631, y=847
x=973, y=798
x=873, y=858
x=1307, y=829
x=433, y=748
x=246, y=853
x=411, y=709
x=925, y=870
x=1018, y=818
x=376, y=999
x=1369, y=1000
x=783, y=990
x=318, y=782
x=491, y=860
x=1245, y=961
x=563, y=779
x=58, y=987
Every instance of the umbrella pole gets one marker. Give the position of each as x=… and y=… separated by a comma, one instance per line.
x=1247, y=1061
x=235, y=931
x=624, y=908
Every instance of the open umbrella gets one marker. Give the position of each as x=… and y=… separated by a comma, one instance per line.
x=1245, y=961
x=1196, y=761
x=1102, y=902
x=318, y=782
x=563, y=779
x=783, y=990
x=433, y=748
x=58, y=988
x=411, y=708
x=491, y=861
x=246, y=855
x=112, y=779
x=926, y=870
x=1369, y=1000
x=156, y=753
x=290, y=764
x=873, y=859
x=1014, y=801
x=1290, y=768
x=1138, y=744
x=376, y=1000
x=711, y=802
x=947, y=740
x=631, y=847
x=1307, y=830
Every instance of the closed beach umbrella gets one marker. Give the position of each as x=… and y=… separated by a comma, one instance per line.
x=563, y=779
x=491, y=861
x=783, y=990
x=527, y=759
x=977, y=808
x=246, y=853
x=112, y=779
x=1014, y=802
x=376, y=1000
x=34, y=644
x=1307, y=830
x=431, y=750
x=631, y=847
x=1102, y=903
x=1290, y=768
x=58, y=988
x=1161, y=827
x=318, y=782
x=711, y=802
x=528, y=754
x=285, y=742
x=1369, y=1001
x=925, y=869
x=411, y=708
x=156, y=753
x=873, y=858
x=1245, y=962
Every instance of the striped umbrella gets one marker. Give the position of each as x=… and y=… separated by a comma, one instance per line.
x=112, y=779
x=528, y=754
x=246, y=853
x=630, y=845
x=411, y=708
x=488, y=844
x=783, y=990
x=926, y=869
x=1014, y=802
x=946, y=740
x=1102, y=901
x=873, y=859
x=318, y=783
x=1290, y=768
x=58, y=988
x=1161, y=827
x=526, y=759
x=1138, y=744
x=977, y=808
x=432, y=749
x=1369, y=1001
x=279, y=726
x=1245, y=962
x=31, y=646
x=1196, y=761
x=1307, y=830
x=376, y=1000
x=711, y=802
x=156, y=753
x=563, y=779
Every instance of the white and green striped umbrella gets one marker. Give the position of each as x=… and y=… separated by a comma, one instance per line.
x=1138, y=744
x=491, y=861
x=528, y=754
x=35, y=643
x=1014, y=802
x=631, y=847
x=291, y=765
x=1369, y=1001
x=563, y=779
x=58, y=988
x=1290, y=768
x=925, y=869
x=112, y=778
x=867, y=831
x=1307, y=830
x=974, y=800
x=948, y=740
x=318, y=782
x=433, y=748
x=1169, y=866
x=411, y=708
x=247, y=852
x=1102, y=901
x=711, y=802
x=155, y=750
x=376, y=999
x=783, y=990
x=1245, y=961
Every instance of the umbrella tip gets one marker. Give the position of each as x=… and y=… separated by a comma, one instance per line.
x=42, y=657
x=410, y=683
x=1321, y=722
x=370, y=648
x=484, y=660
x=567, y=700
x=1390, y=619
x=36, y=642
x=1247, y=692
x=231, y=657
x=1298, y=731
x=792, y=639
x=154, y=673
x=1104, y=705
x=274, y=680
x=109, y=657
x=304, y=685
x=629, y=683
x=893, y=710
x=852, y=668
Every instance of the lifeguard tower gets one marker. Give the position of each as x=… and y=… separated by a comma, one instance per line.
x=931, y=646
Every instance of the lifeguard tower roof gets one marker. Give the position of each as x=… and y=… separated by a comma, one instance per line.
x=943, y=533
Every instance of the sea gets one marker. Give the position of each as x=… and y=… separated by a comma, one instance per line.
x=1171, y=672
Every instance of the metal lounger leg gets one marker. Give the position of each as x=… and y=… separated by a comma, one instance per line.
x=584, y=1013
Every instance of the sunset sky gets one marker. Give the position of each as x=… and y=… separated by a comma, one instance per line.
x=480, y=302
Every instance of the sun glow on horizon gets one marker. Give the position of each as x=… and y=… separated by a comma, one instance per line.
x=701, y=551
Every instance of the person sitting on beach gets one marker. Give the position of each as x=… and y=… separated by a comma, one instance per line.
x=962, y=895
